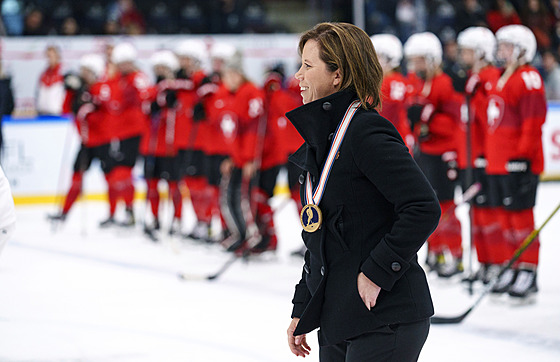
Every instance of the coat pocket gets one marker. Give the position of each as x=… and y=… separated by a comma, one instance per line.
x=337, y=228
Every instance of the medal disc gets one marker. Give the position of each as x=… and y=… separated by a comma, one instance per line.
x=311, y=218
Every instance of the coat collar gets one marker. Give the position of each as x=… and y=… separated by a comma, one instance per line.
x=315, y=122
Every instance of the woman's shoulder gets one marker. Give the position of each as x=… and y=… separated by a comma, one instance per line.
x=371, y=120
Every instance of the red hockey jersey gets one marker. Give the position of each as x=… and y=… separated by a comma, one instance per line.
x=394, y=91
x=236, y=117
x=442, y=113
x=134, y=98
x=96, y=117
x=288, y=138
x=479, y=87
x=515, y=114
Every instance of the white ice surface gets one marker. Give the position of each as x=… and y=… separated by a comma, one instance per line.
x=85, y=294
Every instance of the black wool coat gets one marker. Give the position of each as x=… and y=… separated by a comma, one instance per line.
x=378, y=210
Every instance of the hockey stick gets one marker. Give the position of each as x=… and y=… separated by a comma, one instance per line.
x=526, y=243
x=214, y=276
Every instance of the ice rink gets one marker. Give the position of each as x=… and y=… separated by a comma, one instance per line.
x=85, y=294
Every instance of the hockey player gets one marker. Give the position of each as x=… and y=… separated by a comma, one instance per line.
x=133, y=86
x=395, y=87
x=192, y=54
x=84, y=100
x=515, y=114
x=244, y=128
x=280, y=100
x=159, y=145
x=477, y=47
x=435, y=118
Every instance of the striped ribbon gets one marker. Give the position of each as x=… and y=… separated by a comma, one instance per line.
x=316, y=196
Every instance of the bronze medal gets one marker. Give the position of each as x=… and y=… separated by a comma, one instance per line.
x=311, y=218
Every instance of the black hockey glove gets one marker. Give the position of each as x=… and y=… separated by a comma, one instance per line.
x=73, y=82
x=414, y=112
x=154, y=109
x=199, y=114
x=171, y=98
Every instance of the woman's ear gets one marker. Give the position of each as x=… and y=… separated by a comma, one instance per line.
x=337, y=80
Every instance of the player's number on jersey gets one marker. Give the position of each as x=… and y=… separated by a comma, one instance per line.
x=532, y=80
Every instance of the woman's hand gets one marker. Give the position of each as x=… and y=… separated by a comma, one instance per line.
x=298, y=344
x=369, y=291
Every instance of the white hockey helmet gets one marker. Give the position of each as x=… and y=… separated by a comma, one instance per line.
x=124, y=52
x=93, y=62
x=165, y=58
x=222, y=51
x=192, y=48
x=388, y=46
x=523, y=40
x=479, y=39
x=425, y=45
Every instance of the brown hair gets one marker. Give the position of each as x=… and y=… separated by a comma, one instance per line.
x=348, y=48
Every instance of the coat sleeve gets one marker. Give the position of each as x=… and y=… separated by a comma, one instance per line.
x=383, y=158
x=302, y=295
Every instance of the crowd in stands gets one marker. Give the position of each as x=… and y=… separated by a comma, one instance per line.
x=111, y=17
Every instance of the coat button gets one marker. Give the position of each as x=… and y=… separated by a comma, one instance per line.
x=396, y=267
x=331, y=136
x=301, y=179
x=327, y=106
x=306, y=268
x=323, y=271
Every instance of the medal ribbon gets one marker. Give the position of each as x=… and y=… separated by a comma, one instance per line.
x=315, y=197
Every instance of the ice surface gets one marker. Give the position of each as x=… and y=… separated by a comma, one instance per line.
x=85, y=294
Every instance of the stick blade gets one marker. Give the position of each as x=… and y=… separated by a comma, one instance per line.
x=449, y=320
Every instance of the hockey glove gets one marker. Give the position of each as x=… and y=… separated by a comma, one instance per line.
x=413, y=113
x=199, y=114
x=73, y=82
x=171, y=98
x=520, y=185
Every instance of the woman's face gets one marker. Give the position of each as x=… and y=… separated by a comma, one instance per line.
x=315, y=79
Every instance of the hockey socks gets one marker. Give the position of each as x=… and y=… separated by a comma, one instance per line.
x=73, y=192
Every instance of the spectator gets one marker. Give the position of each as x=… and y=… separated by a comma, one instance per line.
x=226, y=17
x=536, y=17
x=50, y=93
x=35, y=23
x=501, y=13
x=469, y=13
x=12, y=16
x=127, y=16
x=69, y=27
x=551, y=76
x=405, y=14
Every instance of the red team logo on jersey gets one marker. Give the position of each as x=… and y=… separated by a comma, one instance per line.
x=495, y=112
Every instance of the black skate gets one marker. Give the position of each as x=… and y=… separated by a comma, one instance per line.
x=56, y=217
x=447, y=269
x=150, y=230
x=129, y=219
x=525, y=284
x=505, y=282
x=175, y=228
x=107, y=223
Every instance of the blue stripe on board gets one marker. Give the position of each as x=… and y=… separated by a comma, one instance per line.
x=39, y=119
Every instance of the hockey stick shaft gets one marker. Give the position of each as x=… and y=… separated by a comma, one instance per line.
x=214, y=276
x=520, y=250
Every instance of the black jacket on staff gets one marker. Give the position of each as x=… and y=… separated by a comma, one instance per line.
x=378, y=210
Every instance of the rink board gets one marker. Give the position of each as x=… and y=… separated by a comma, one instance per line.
x=39, y=153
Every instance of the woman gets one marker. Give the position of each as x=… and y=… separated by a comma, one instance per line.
x=361, y=282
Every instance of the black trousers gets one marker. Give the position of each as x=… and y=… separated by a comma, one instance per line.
x=392, y=343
